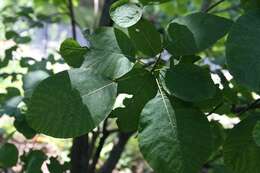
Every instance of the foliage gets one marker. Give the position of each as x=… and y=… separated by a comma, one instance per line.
x=164, y=71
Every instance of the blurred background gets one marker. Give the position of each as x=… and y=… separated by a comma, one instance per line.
x=31, y=32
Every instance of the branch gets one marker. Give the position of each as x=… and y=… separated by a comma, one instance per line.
x=235, y=7
x=101, y=144
x=105, y=17
x=214, y=110
x=205, y=5
x=79, y=154
x=72, y=18
x=247, y=107
x=116, y=152
x=214, y=5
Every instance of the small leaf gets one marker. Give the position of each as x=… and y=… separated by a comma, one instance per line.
x=194, y=33
x=146, y=38
x=125, y=14
x=241, y=154
x=8, y=155
x=170, y=136
x=70, y=103
x=11, y=34
x=190, y=83
x=22, y=126
x=242, y=50
x=72, y=52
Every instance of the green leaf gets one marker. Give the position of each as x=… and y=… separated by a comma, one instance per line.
x=33, y=161
x=105, y=56
x=11, y=34
x=170, y=136
x=71, y=103
x=190, y=82
x=194, y=33
x=125, y=44
x=250, y=4
x=242, y=50
x=31, y=80
x=22, y=126
x=146, y=38
x=72, y=52
x=8, y=155
x=241, y=154
x=256, y=133
x=125, y=14
x=55, y=166
x=22, y=40
x=141, y=84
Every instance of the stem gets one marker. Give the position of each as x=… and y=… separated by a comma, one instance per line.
x=101, y=144
x=72, y=19
x=214, y=5
x=105, y=17
x=116, y=152
x=205, y=5
x=214, y=110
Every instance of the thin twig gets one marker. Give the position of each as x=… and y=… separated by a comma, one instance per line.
x=101, y=144
x=214, y=110
x=244, y=108
x=235, y=7
x=72, y=18
x=214, y=5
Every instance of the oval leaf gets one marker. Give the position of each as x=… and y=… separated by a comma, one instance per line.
x=194, y=33
x=125, y=14
x=105, y=56
x=8, y=155
x=242, y=50
x=141, y=84
x=146, y=38
x=190, y=82
x=72, y=52
x=170, y=137
x=70, y=103
x=241, y=154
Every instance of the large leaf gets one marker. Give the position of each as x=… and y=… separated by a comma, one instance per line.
x=170, y=136
x=241, y=154
x=242, y=50
x=141, y=84
x=31, y=80
x=190, y=83
x=8, y=155
x=70, y=103
x=106, y=57
x=72, y=52
x=125, y=14
x=146, y=38
x=194, y=33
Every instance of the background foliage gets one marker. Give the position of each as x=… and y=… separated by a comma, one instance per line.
x=171, y=82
